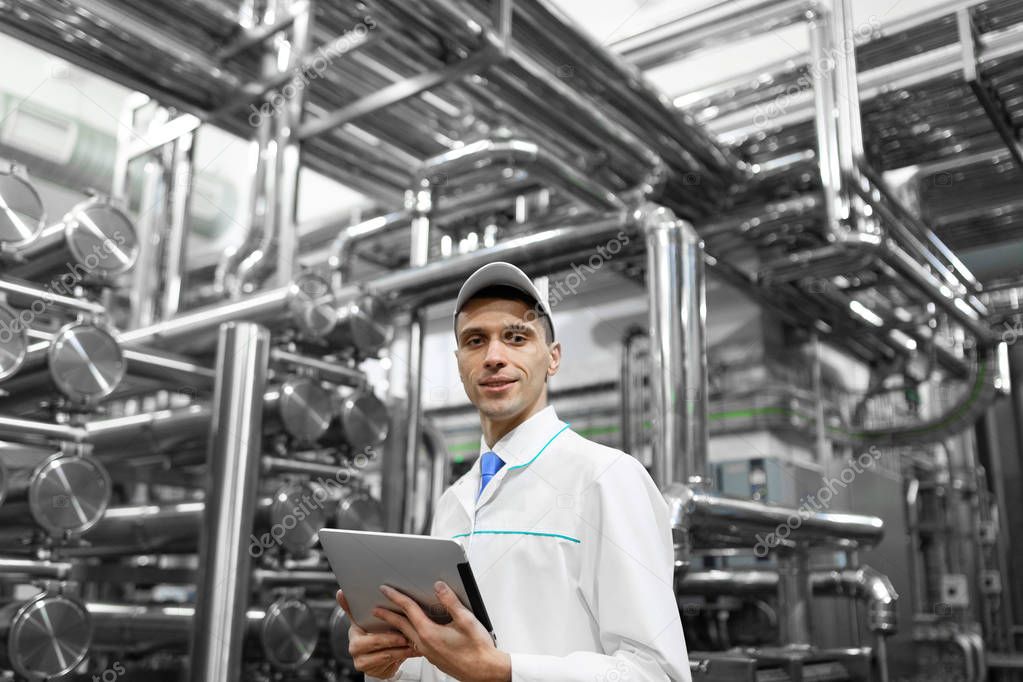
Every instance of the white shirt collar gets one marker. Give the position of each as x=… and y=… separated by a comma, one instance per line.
x=521, y=444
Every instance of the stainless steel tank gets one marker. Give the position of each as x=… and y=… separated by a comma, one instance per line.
x=94, y=243
x=13, y=341
x=45, y=637
x=63, y=494
x=22, y=217
x=302, y=407
x=362, y=421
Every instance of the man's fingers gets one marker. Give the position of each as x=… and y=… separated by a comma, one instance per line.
x=382, y=659
x=368, y=643
x=398, y=622
x=342, y=602
x=449, y=599
x=408, y=605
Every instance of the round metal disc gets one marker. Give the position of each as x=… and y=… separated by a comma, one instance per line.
x=365, y=325
x=297, y=511
x=101, y=238
x=312, y=306
x=13, y=342
x=305, y=408
x=86, y=363
x=289, y=633
x=22, y=217
x=49, y=637
x=339, y=624
x=360, y=511
x=364, y=420
x=69, y=493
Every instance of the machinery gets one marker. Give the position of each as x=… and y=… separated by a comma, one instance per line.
x=173, y=436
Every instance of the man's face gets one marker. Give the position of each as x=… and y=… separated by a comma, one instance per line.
x=503, y=356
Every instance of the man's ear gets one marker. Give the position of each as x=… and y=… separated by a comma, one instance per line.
x=555, y=363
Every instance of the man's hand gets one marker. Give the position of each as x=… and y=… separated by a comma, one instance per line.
x=378, y=654
x=463, y=648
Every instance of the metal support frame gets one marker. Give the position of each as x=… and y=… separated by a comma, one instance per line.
x=978, y=84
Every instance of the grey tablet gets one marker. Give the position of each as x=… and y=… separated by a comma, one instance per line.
x=363, y=561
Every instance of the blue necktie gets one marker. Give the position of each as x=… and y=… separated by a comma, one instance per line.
x=490, y=464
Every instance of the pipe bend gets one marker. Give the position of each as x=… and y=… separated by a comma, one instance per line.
x=867, y=585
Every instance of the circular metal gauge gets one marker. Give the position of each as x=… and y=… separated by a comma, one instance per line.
x=102, y=238
x=359, y=511
x=68, y=494
x=312, y=306
x=339, y=624
x=49, y=637
x=296, y=510
x=305, y=408
x=364, y=325
x=22, y=217
x=289, y=633
x=13, y=342
x=364, y=420
x=86, y=363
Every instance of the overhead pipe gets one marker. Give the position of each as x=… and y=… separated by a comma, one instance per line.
x=526, y=155
x=223, y=585
x=721, y=23
x=12, y=568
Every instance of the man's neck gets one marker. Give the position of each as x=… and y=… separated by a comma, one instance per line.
x=496, y=429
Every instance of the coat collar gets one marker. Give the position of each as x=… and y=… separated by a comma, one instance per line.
x=518, y=448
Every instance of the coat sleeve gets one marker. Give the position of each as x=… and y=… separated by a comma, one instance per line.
x=626, y=580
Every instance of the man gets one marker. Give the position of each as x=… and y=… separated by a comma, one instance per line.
x=569, y=540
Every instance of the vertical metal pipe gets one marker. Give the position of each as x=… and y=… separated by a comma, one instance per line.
x=420, y=202
x=180, y=210
x=288, y=121
x=677, y=347
x=233, y=460
x=694, y=347
x=822, y=72
x=794, y=597
x=143, y=294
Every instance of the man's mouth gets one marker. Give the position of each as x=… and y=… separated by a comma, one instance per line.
x=496, y=385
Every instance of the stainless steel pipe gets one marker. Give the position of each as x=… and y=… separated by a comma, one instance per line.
x=678, y=348
x=223, y=589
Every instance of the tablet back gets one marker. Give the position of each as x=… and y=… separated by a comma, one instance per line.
x=363, y=561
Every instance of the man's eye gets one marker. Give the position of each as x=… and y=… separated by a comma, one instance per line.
x=518, y=338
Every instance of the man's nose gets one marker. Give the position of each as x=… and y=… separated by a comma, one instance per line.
x=495, y=355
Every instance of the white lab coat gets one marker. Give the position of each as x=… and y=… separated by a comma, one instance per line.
x=571, y=547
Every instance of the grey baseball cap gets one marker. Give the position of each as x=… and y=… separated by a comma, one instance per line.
x=501, y=274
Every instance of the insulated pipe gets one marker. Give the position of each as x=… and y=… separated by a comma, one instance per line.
x=989, y=379
x=327, y=371
x=31, y=432
x=678, y=347
x=223, y=586
x=712, y=519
